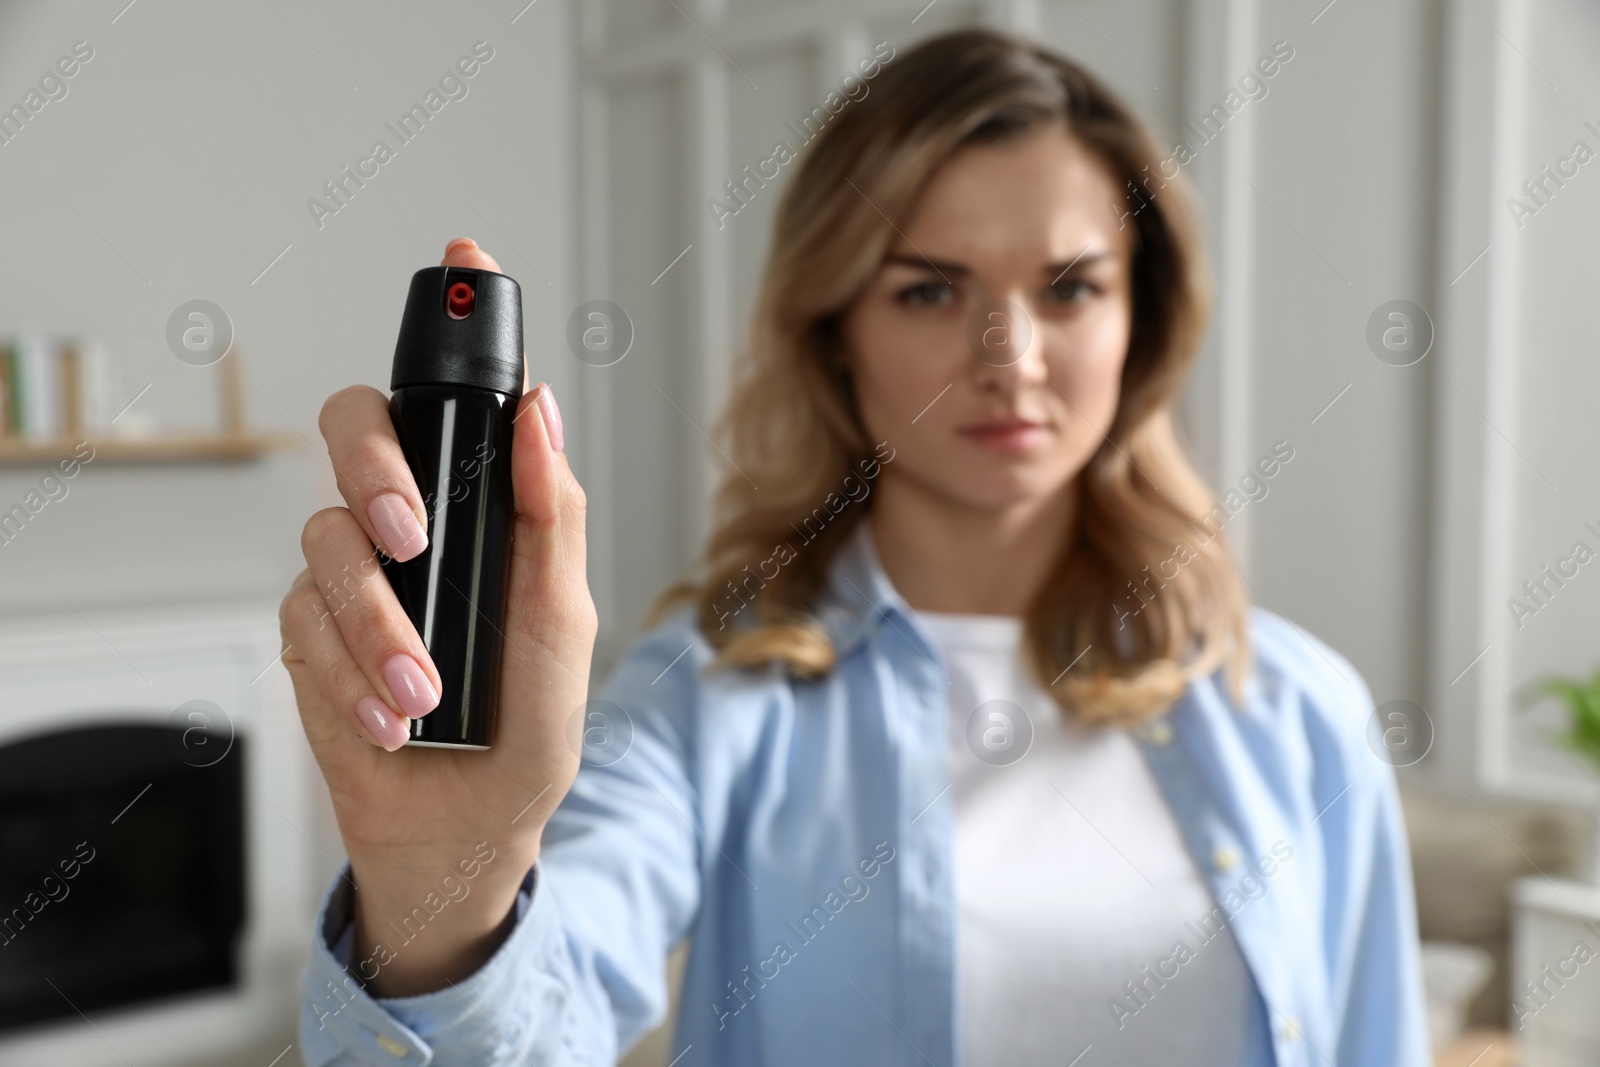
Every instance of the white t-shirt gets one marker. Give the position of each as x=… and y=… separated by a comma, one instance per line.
x=1071, y=880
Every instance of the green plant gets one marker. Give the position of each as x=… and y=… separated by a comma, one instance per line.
x=1582, y=699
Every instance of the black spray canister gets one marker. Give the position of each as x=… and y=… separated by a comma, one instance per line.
x=457, y=377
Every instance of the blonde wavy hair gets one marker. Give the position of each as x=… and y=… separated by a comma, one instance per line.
x=791, y=424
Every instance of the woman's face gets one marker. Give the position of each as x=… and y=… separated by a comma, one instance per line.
x=988, y=349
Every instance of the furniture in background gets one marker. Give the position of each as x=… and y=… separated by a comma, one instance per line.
x=1556, y=971
x=55, y=392
x=197, y=838
x=1465, y=856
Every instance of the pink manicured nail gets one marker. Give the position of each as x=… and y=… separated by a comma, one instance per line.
x=546, y=399
x=402, y=535
x=460, y=242
x=382, y=726
x=410, y=686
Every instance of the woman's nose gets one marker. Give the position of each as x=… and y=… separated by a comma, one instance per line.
x=1006, y=344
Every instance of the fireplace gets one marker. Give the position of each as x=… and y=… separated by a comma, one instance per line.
x=162, y=838
x=123, y=879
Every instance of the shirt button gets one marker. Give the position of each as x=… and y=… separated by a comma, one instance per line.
x=392, y=1047
x=1158, y=733
x=1224, y=859
x=1290, y=1029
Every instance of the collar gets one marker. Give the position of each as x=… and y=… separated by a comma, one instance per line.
x=861, y=599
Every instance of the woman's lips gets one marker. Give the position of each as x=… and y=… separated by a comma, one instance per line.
x=1009, y=436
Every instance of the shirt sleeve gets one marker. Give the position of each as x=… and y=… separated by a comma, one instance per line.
x=582, y=974
x=1370, y=938
x=1375, y=959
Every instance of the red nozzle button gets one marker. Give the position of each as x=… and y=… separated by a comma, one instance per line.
x=459, y=300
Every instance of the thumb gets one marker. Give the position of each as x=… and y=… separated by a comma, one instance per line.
x=464, y=252
x=546, y=490
x=548, y=549
x=548, y=497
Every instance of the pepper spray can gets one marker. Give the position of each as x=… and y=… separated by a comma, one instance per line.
x=458, y=373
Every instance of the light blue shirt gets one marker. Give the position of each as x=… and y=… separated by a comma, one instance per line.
x=800, y=834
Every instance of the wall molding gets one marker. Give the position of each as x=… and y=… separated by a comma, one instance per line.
x=1476, y=471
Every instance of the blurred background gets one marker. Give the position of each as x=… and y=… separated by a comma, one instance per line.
x=1403, y=224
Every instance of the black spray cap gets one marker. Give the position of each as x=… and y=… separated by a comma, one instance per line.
x=461, y=327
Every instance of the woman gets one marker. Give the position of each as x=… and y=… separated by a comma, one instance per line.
x=962, y=745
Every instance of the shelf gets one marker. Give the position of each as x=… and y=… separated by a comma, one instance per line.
x=165, y=448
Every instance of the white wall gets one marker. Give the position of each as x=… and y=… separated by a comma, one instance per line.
x=1552, y=410
x=190, y=144
x=1516, y=484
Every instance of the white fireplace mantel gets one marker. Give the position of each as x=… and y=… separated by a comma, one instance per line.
x=138, y=666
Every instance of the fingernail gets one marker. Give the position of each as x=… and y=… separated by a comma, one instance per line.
x=409, y=685
x=397, y=526
x=382, y=726
x=546, y=399
x=460, y=242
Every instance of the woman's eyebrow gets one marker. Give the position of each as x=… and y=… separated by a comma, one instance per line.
x=911, y=259
x=1085, y=258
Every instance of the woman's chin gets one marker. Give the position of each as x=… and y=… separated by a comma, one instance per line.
x=1007, y=489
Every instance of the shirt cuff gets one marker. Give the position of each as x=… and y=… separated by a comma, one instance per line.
x=500, y=1007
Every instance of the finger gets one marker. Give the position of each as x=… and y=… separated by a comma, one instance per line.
x=551, y=505
x=371, y=472
x=546, y=491
x=337, y=704
x=464, y=252
x=376, y=631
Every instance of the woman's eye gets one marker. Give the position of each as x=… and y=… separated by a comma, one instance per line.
x=927, y=294
x=1071, y=292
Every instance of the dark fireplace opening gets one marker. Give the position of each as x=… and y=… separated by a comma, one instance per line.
x=122, y=874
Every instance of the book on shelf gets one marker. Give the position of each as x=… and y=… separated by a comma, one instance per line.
x=54, y=387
